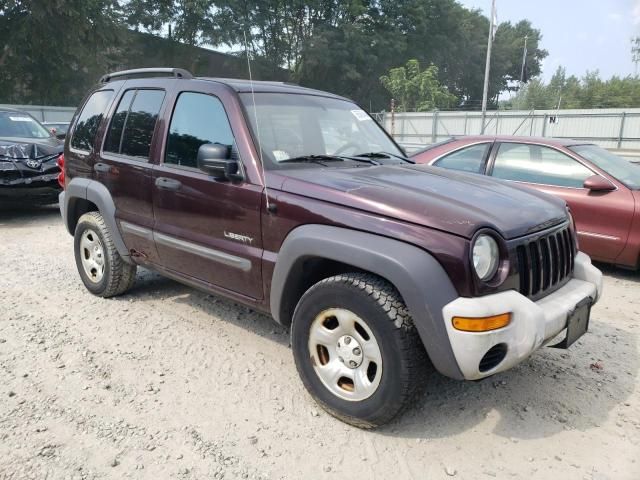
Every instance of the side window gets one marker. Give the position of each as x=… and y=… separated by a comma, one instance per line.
x=133, y=123
x=114, y=135
x=197, y=119
x=469, y=159
x=538, y=164
x=89, y=120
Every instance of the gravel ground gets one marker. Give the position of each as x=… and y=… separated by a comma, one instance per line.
x=167, y=382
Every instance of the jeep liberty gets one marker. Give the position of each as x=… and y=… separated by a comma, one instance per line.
x=297, y=203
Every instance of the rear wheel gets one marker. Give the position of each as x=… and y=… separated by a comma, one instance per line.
x=101, y=268
x=357, y=350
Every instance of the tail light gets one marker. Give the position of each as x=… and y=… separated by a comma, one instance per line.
x=60, y=163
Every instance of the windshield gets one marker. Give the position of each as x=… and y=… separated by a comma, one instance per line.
x=21, y=125
x=619, y=168
x=293, y=126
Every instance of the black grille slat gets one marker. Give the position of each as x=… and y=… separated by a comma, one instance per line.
x=565, y=244
x=560, y=255
x=572, y=252
x=545, y=262
x=524, y=264
x=555, y=263
x=545, y=250
x=569, y=251
x=535, y=268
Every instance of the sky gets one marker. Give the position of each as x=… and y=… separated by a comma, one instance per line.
x=581, y=35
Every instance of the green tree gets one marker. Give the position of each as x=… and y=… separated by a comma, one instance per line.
x=417, y=90
x=47, y=48
x=343, y=46
x=590, y=91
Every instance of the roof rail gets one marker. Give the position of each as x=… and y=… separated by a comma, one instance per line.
x=175, y=72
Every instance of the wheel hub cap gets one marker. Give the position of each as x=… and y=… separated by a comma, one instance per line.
x=92, y=255
x=349, y=351
x=345, y=354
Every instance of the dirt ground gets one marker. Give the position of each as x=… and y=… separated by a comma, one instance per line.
x=168, y=382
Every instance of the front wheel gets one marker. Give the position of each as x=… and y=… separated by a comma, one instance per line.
x=356, y=349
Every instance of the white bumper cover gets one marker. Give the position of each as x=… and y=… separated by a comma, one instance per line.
x=532, y=323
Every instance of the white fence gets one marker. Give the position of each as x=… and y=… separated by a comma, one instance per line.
x=609, y=128
x=45, y=113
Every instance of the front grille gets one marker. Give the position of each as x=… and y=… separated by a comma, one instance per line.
x=545, y=263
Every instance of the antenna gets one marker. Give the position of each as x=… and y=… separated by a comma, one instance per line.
x=255, y=113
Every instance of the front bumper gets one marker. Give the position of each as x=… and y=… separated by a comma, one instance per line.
x=533, y=324
x=43, y=193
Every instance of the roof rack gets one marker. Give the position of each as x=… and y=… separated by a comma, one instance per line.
x=174, y=72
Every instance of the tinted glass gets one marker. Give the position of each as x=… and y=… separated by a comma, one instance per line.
x=89, y=120
x=140, y=123
x=114, y=135
x=292, y=125
x=619, y=168
x=197, y=119
x=538, y=164
x=21, y=125
x=470, y=159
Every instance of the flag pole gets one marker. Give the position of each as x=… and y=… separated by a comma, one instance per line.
x=524, y=66
x=524, y=60
x=487, y=67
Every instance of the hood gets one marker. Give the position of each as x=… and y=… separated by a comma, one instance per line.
x=29, y=148
x=447, y=200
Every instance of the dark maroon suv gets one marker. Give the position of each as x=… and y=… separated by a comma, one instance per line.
x=296, y=203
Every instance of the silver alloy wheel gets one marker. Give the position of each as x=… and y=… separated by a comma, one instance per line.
x=345, y=354
x=92, y=255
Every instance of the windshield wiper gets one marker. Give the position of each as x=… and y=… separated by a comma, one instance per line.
x=333, y=158
x=384, y=155
x=312, y=159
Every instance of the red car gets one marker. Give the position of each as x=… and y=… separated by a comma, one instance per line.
x=602, y=189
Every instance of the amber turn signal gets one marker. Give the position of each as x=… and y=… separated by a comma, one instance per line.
x=481, y=324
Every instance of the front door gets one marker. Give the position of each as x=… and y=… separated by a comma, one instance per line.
x=205, y=228
x=602, y=218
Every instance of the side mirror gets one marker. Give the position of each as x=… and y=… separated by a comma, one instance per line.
x=215, y=160
x=596, y=183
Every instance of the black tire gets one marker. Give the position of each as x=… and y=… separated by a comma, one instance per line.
x=404, y=359
x=118, y=276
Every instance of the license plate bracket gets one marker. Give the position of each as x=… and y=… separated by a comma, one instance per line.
x=577, y=323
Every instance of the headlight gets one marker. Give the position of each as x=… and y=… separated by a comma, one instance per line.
x=7, y=166
x=485, y=257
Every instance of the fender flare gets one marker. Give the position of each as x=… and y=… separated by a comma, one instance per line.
x=96, y=193
x=422, y=282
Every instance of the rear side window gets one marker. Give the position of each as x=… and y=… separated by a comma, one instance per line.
x=197, y=119
x=114, y=135
x=133, y=123
x=469, y=159
x=89, y=120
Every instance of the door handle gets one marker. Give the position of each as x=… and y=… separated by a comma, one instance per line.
x=165, y=183
x=102, y=168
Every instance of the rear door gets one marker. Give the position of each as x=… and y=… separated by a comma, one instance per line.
x=125, y=165
x=205, y=228
x=602, y=218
